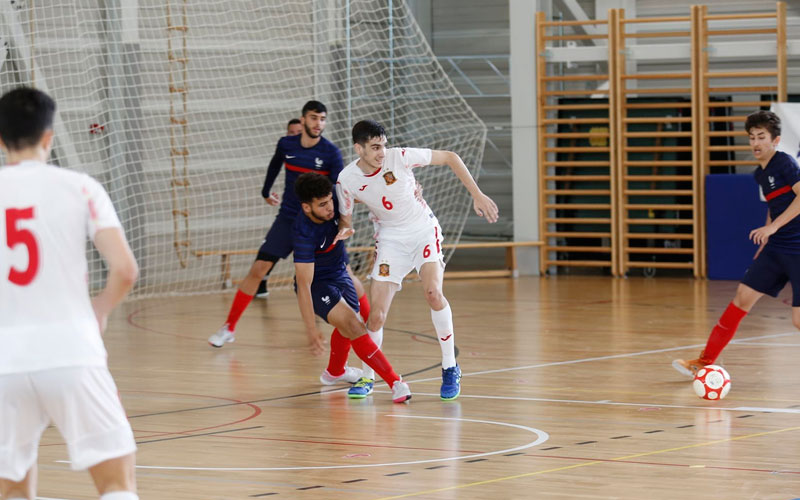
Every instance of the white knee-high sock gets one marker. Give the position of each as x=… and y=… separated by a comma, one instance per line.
x=376, y=337
x=120, y=495
x=443, y=324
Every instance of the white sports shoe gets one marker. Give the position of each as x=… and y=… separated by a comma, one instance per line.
x=401, y=392
x=222, y=336
x=351, y=375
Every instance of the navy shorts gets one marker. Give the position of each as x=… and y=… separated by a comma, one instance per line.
x=770, y=272
x=325, y=294
x=279, y=241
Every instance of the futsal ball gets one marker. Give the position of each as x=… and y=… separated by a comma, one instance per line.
x=712, y=382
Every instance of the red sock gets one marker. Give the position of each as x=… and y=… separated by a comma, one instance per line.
x=722, y=333
x=372, y=355
x=240, y=303
x=340, y=348
x=363, y=307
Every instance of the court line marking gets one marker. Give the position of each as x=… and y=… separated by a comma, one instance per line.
x=604, y=358
x=616, y=403
x=541, y=437
x=595, y=462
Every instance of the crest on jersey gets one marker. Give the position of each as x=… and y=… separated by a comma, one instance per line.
x=317, y=162
x=771, y=181
x=389, y=178
x=383, y=270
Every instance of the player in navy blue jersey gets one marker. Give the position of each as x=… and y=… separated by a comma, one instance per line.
x=324, y=287
x=777, y=260
x=294, y=127
x=307, y=152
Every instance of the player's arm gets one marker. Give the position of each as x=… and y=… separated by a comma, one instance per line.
x=346, y=202
x=304, y=274
x=483, y=205
x=122, y=272
x=272, y=173
x=762, y=234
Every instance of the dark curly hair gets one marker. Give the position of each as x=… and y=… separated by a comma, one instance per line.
x=312, y=185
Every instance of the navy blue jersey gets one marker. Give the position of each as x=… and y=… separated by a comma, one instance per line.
x=776, y=181
x=313, y=244
x=323, y=158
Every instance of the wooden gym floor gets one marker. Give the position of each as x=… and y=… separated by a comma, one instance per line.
x=567, y=393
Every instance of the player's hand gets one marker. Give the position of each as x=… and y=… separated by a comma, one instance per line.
x=316, y=342
x=762, y=234
x=343, y=234
x=760, y=248
x=418, y=192
x=101, y=312
x=273, y=200
x=485, y=207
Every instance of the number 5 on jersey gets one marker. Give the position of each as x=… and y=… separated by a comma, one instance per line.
x=16, y=236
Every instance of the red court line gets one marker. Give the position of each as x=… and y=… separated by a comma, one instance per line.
x=666, y=464
x=256, y=412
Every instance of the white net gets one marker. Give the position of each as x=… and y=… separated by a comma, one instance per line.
x=176, y=107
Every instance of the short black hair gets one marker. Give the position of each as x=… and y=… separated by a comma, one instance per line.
x=25, y=114
x=312, y=185
x=293, y=121
x=766, y=120
x=365, y=130
x=314, y=106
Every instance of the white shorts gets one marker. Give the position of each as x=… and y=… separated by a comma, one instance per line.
x=396, y=254
x=83, y=404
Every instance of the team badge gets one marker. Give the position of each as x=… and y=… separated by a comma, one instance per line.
x=389, y=178
x=383, y=270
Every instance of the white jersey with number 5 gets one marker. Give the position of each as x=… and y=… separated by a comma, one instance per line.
x=46, y=317
x=389, y=192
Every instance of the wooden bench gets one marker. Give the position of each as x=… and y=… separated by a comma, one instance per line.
x=510, y=269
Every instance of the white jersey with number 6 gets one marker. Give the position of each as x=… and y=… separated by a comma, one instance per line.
x=389, y=192
x=46, y=317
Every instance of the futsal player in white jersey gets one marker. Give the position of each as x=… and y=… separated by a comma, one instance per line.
x=407, y=234
x=52, y=358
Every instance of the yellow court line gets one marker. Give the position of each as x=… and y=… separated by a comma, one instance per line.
x=627, y=457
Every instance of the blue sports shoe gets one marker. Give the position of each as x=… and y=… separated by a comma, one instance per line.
x=451, y=383
x=361, y=389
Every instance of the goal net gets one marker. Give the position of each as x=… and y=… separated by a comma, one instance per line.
x=176, y=107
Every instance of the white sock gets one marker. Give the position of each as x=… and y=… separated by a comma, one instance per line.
x=376, y=337
x=120, y=495
x=443, y=324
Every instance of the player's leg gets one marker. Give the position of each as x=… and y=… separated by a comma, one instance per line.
x=723, y=331
x=242, y=299
x=442, y=318
x=767, y=275
x=84, y=405
x=364, y=386
x=23, y=421
x=115, y=479
x=429, y=261
x=18, y=490
x=344, y=318
x=326, y=294
x=276, y=245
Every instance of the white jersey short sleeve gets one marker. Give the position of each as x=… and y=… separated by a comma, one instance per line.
x=46, y=318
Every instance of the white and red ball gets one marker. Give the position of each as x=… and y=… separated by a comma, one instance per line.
x=712, y=382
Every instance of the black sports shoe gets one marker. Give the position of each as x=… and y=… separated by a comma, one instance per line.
x=262, y=292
